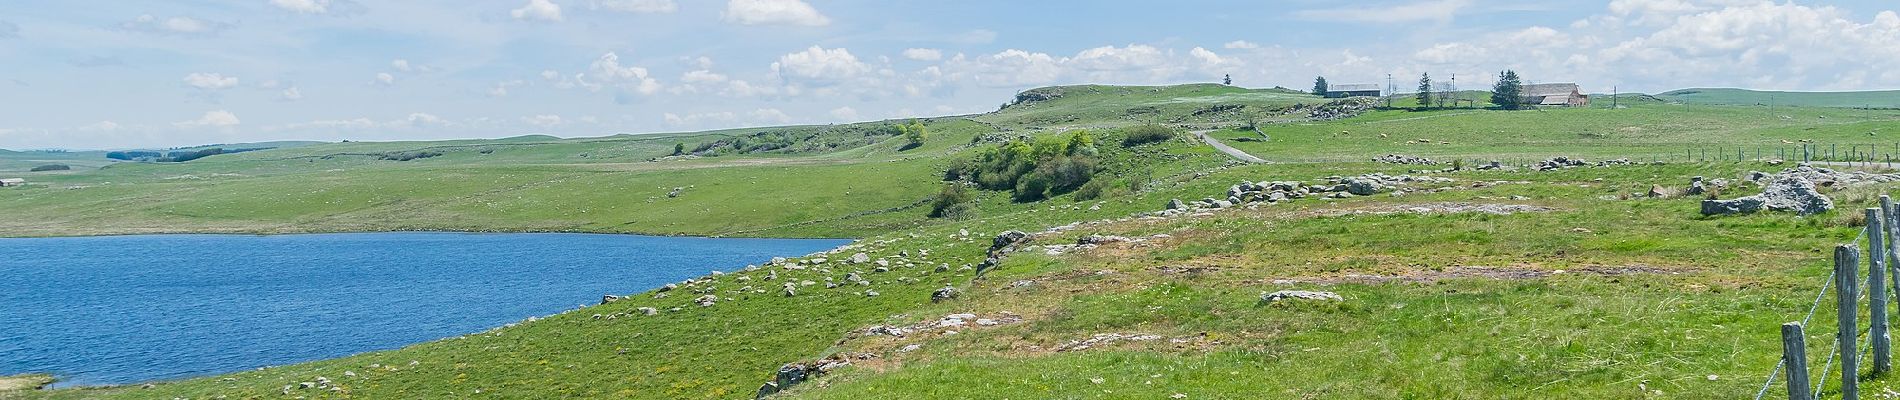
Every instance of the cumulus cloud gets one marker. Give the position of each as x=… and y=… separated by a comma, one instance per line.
x=820, y=65
x=501, y=88
x=1430, y=10
x=538, y=10
x=845, y=114
x=215, y=119
x=773, y=12
x=210, y=81
x=401, y=65
x=637, y=6
x=185, y=26
x=335, y=7
x=543, y=120
x=101, y=126
x=1241, y=45
x=607, y=71
x=923, y=54
x=291, y=94
x=385, y=79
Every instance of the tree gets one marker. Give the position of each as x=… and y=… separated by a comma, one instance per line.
x=1508, y=91
x=914, y=132
x=1425, y=90
x=679, y=148
x=1319, y=86
x=1227, y=79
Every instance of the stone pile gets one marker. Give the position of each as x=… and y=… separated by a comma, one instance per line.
x=1341, y=109
x=1404, y=159
x=1560, y=162
x=1282, y=191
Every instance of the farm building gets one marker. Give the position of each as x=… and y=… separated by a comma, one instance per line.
x=4, y=182
x=1555, y=94
x=1353, y=90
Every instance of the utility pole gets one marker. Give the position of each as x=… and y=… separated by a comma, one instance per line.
x=1390, y=90
x=1613, y=96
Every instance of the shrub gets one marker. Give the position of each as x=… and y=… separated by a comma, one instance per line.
x=1146, y=134
x=1032, y=170
x=1091, y=191
x=51, y=167
x=953, y=197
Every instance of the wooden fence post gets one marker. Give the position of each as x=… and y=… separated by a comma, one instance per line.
x=1847, y=293
x=1877, y=290
x=1794, y=358
x=1893, y=242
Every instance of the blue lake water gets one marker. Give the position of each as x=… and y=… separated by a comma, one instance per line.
x=123, y=309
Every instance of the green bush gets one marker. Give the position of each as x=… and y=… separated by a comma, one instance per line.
x=1146, y=134
x=953, y=197
x=52, y=167
x=1032, y=170
x=1092, y=190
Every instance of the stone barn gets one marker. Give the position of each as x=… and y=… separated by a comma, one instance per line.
x=1554, y=95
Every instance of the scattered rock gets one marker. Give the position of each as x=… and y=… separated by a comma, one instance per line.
x=649, y=311
x=604, y=299
x=946, y=293
x=1299, y=295
x=1404, y=159
x=706, y=301
x=859, y=258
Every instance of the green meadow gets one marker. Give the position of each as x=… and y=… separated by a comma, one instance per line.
x=1591, y=290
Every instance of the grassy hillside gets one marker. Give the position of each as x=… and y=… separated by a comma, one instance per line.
x=1861, y=99
x=1588, y=290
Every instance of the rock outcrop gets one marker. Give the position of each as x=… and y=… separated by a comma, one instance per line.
x=1787, y=192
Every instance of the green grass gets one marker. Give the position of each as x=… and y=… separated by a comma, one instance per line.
x=1706, y=298
x=1745, y=97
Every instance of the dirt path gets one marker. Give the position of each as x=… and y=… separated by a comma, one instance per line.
x=1224, y=148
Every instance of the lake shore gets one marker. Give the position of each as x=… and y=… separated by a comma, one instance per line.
x=24, y=382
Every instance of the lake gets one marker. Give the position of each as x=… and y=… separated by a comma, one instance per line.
x=125, y=309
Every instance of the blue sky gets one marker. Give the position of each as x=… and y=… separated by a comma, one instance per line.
x=121, y=74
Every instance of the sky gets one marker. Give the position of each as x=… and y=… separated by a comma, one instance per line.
x=108, y=74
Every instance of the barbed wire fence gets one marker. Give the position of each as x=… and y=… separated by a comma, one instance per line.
x=1846, y=348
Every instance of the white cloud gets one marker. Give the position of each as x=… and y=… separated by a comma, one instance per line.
x=210, y=81
x=216, y=119
x=637, y=6
x=1111, y=58
x=543, y=120
x=845, y=114
x=820, y=64
x=425, y=119
x=923, y=54
x=291, y=94
x=773, y=12
x=1241, y=45
x=608, y=71
x=977, y=36
x=771, y=116
x=173, y=25
x=1430, y=10
x=385, y=79
x=303, y=6
x=700, y=119
x=101, y=126
x=501, y=88
x=401, y=65
x=538, y=10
